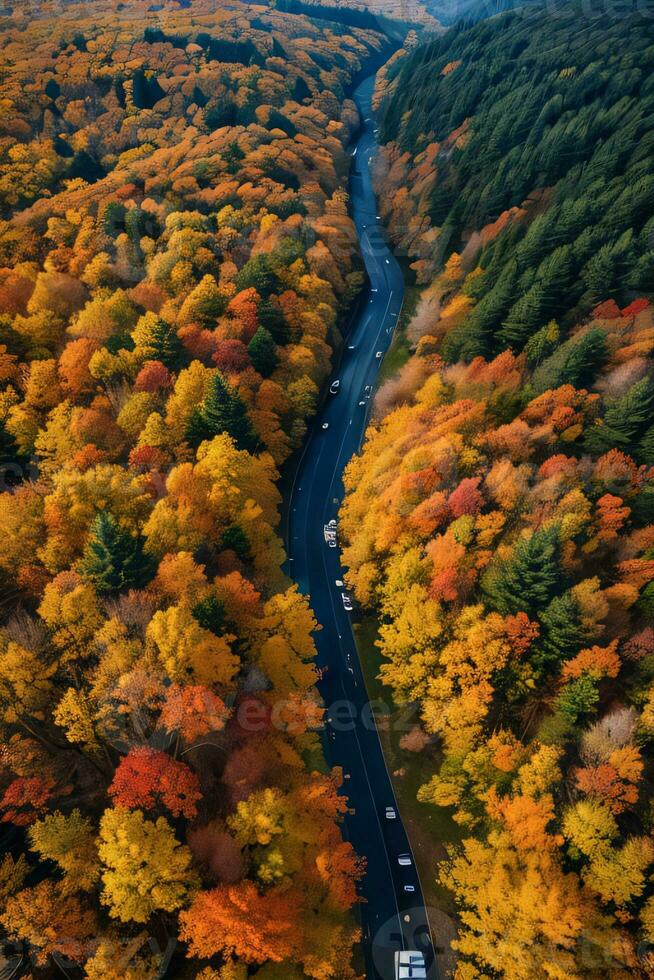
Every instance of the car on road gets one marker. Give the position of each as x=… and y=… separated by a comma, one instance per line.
x=334, y=386
x=388, y=261
x=325, y=425
x=404, y=860
x=339, y=583
x=390, y=813
x=362, y=402
x=409, y=889
x=379, y=354
x=367, y=391
x=347, y=602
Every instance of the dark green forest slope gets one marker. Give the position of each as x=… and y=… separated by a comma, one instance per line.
x=561, y=105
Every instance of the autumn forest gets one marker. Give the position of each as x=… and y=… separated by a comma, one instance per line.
x=179, y=272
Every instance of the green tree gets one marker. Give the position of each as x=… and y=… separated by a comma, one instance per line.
x=563, y=632
x=210, y=614
x=578, y=698
x=263, y=352
x=222, y=410
x=114, y=559
x=258, y=273
x=529, y=579
x=624, y=419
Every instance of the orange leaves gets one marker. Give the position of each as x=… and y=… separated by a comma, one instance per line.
x=597, y=662
x=340, y=869
x=526, y=820
x=611, y=517
x=237, y=920
x=193, y=711
x=146, y=778
x=615, y=781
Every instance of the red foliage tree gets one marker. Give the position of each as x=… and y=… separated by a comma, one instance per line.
x=25, y=799
x=231, y=356
x=152, y=377
x=148, y=778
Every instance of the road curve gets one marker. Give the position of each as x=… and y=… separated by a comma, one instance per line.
x=351, y=738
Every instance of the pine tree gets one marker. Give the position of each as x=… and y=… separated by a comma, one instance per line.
x=272, y=318
x=222, y=410
x=113, y=558
x=563, y=633
x=263, y=352
x=258, y=273
x=573, y=363
x=235, y=539
x=11, y=461
x=168, y=348
x=529, y=579
x=624, y=419
x=210, y=614
x=645, y=451
x=523, y=319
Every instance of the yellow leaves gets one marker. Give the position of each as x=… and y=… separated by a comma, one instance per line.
x=73, y=713
x=25, y=682
x=524, y=917
x=409, y=642
x=70, y=841
x=145, y=869
x=70, y=608
x=590, y=826
x=620, y=875
x=259, y=818
x=542, y=771
x=187, y=652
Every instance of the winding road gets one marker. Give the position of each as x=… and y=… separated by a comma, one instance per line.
x=392, y=918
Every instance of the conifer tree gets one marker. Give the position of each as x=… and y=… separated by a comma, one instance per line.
x=221, y=411
x=113, y=558
x=263, y=352
x=531, y=577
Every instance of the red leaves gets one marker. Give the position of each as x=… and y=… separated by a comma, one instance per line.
x=148, y=778
x=25, y=800
x=636, y=307
x=152, y=377
x=608, y=310
x=467, y=498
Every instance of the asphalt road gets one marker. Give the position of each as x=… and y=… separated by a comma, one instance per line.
x=351, y=738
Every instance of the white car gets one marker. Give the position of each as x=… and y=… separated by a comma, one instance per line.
x=332, y=542
x=339, y=583
x=347, y=602
x=404, y=860
x=334, y=386
x=378, y=354
x=390, y=813
x=362, y=402
x=325, y=425
x=367, y=390
x=409, y=888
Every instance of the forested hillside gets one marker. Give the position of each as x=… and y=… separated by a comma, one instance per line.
x=500, y=519
x=176, y=261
